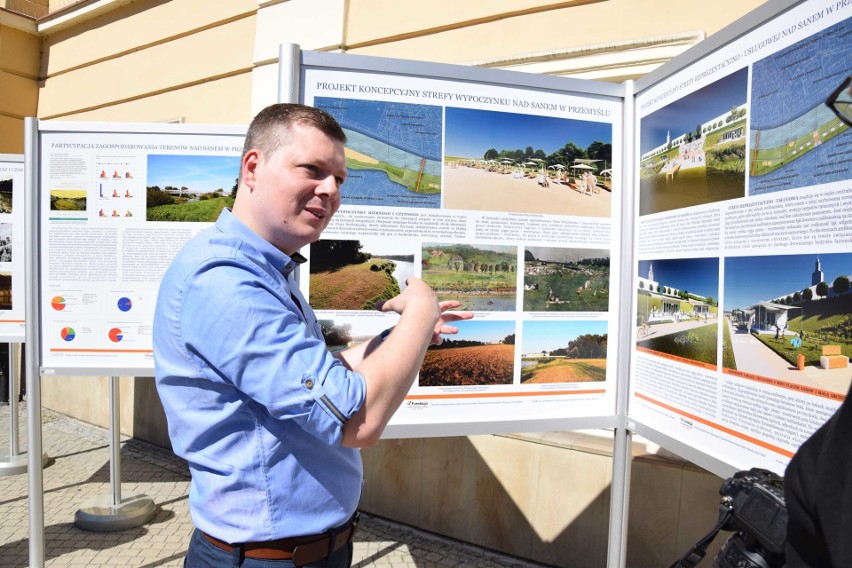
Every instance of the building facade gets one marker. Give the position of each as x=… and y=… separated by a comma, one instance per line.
x=544, y=497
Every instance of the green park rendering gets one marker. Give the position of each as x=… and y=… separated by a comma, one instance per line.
x=784, y=313
x=678, y=310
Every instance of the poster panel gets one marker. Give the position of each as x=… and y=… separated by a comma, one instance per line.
x=743, y=253
x=12, y=247
x=499, y=196
x=116, y=203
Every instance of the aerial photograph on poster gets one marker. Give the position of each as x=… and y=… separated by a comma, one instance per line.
x=481, y=277
x=566, y=280
x=563, y=351
x=500, y=161
x=795, y=138
x=355, y=274
x=188, y=187
x=393, y=152
x=481, y=353
x=789, y=318
x=678, y=309
x=693, y=151
x=6, y=185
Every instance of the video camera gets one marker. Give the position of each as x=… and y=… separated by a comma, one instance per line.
x=753, y=506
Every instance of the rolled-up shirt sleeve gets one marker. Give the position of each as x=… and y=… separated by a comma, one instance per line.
x=241, y=327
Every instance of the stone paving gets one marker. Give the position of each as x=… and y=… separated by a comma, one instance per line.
x=80, y=472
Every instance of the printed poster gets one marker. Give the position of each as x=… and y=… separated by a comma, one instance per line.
x=498, y=197
x=743, y=309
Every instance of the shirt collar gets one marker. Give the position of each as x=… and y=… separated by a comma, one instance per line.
x=284, y=263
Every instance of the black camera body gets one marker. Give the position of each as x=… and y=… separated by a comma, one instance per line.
x=759, y=517
x=753, y=507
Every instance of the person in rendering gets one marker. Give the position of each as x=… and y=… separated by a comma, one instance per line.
x=268, y=419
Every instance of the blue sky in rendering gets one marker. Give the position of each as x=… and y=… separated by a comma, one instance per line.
x=752, y=279
x=198, y=173
x=482, y=330
x=549, y=335
x=699, y=276
x=685, y=114
x=469, y=133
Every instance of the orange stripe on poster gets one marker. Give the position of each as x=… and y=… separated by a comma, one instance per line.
x=724, y=429
x=501, y=394
x=12, y=321
x=692, y=362
x=783, y=384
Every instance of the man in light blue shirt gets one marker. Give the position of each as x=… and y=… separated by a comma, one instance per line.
x=269, y=421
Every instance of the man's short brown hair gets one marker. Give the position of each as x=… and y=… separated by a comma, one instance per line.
x=270, y=129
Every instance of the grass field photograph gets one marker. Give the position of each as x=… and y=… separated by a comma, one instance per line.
x=563, y=352
x=355, y=274
x=481, y=354
x=566, y=280
x=190, y=188
x=481, y=277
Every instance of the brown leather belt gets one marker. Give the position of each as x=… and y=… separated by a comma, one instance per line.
x=301, y=550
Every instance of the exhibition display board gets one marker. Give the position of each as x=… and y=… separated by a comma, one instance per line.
x=668, y=257
x=12, y=252
x=743, y=251
x=481, y=187
x=116, y=202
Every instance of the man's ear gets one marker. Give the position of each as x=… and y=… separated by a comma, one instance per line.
x=248, y=168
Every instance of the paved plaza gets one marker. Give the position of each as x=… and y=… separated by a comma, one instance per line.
x=80, y=472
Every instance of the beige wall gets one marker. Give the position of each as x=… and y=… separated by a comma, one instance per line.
x=455, y=32
x=151, y=61
x=546, y=500
x=19, y=64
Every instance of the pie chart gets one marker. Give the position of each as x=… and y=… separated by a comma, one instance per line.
x=124, y=304
x=58, y=303
x=115, y=335
x=68, y=333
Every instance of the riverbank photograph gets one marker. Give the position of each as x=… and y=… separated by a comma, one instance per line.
x=693, y=151
x=481, y=277
x=355, y=274
x=190, y=188
x=566, y=280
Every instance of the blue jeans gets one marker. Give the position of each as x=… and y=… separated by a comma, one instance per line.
x=204, y=554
